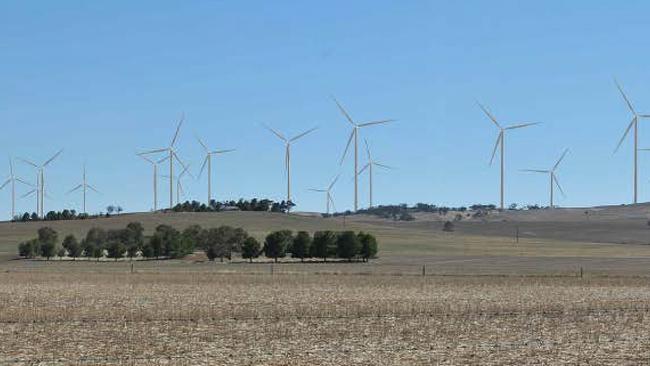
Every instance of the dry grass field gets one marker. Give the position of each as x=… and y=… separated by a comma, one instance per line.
x=484, y=300
x=216, y=319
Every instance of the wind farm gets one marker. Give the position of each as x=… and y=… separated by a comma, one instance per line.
x=225, y=183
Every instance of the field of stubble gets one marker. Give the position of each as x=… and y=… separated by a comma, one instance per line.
x=217, y=319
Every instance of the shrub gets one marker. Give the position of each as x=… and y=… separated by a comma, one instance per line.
x=301, y=245
x=347, y=245
x=251, y=249
x=29, y=249
x=448, y=226
x=323, y=245
x=276, y=244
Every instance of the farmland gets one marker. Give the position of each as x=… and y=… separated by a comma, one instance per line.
x=432, y=297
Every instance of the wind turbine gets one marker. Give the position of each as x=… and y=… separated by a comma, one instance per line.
x=179, y=186
x=84, y=186
x=552, y=175
x=354, y=135
x=208, y=161
x=40, y=182
x=287, y=154
x=13, y=179
x=171, y=151
x=371, y=164
x=328, y=194
x=500, y=143
x=155, y=181
x=634, y=123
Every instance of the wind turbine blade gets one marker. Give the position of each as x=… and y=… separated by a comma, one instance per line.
x=384, y=166
x=23, y=182
x=146, y=158
x=93, y=188
x=487, y=113
x=644, y=115
x=222, y=151
x=363, y=169
x=180, y=161
x=521, y=125
x=318, y=190
x=11, y=166
x=74, y=189
x=347, y=147
x=332, y=202
x=629, y=127
x=557, y=183
x=28, y=193
x=496, y=145
x=153, y=151
x=52, y=158
x=627, y=101
x=334, y=182
x=303, y=134
x=205, y=163
x=278, y=134
x=535, y=171
x=367, y=150
x=28, y=162
x=376, y=122
x=345, y=113
x=202, y=144
x=163, y=160
x=560, y=160
x=178, y=130
x=5, y=183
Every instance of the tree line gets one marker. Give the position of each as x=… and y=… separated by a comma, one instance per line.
x=221, y=242
x=255, y=204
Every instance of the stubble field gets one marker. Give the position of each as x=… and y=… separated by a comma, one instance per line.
x=207, y=318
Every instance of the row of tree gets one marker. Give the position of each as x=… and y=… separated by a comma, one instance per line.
x=222, y=242
x=66, y=215
x=263, y=205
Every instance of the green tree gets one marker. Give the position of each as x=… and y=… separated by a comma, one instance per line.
x=301, y=245
x=276, y=244
x=193, y=234
x=369, y=246
x=347, y=245
x=29, y=249
x=94, y=243
x=323, y=245
x=72, y=246
x=115, y=249
x=147, y=250
x=47, y=237
x=134, y=239
x=221, y=242
x=250, y=249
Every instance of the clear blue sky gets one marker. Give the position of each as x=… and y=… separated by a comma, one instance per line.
x=107, y=79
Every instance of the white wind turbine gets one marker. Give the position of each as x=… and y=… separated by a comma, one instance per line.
x=208, y=162
x=552, y=176
x=155, y=181
x=369, y=166
x=171, y=151
x=287, y=154
x=328, y=194
x=634, y=123
x=40, y=182
x=500, y=143
x=179, y=185
x=354, y=135
x=12, y=179
x=84, y=187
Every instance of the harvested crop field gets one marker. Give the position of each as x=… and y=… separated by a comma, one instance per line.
x=201, y=318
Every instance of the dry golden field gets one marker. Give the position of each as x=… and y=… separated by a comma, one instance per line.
x=484, y=300
x=203, y=318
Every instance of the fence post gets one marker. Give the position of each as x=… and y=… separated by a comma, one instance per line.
x=131, y=267
x=271, y=269
x=424, y=270
x=581, y=272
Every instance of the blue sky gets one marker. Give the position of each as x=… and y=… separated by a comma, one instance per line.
x=105, y=80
